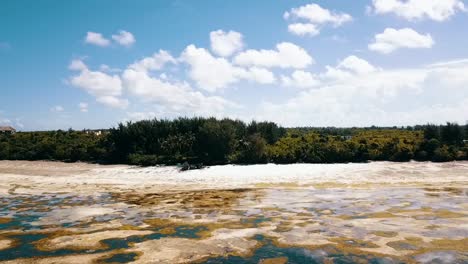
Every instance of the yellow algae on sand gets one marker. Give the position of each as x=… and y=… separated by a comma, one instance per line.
x=69, y=259
x=5, y=243
x=4, y=220
x=86, y=241
x=280, y=260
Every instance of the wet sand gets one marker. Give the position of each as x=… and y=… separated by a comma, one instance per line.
x=306, y=213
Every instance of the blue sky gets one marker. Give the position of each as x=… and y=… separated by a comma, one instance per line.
x=92, y=64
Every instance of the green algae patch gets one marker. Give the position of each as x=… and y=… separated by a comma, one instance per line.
x=447, y=244
x=201, y=199
x=385, y=233
x=170, y=227
x=204, y=230
x=444, y=190
x=402, y=245
x=280, y=260
x=86, y=241
x=66, y=259
x=448, y=214
x=119, y=256
x=183, y=250
x=428, y=213
x=5, y=220
x=170, y=230
x=352, y=242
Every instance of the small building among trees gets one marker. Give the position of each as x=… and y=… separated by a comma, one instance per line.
x=7, y=130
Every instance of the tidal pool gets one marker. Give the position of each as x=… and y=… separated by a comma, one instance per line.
x=280, y=222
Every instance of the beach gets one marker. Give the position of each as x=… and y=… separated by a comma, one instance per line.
x=378, y=212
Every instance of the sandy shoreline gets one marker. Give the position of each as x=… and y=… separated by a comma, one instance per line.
x=43, y=176
x=47, y=168
x=383, y=211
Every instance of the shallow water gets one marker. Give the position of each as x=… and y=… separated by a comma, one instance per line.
x=280, y=223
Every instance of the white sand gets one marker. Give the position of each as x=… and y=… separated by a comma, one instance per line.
x=76, y=213
x=97, y=178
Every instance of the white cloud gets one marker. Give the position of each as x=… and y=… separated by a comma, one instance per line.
x=95, y=82
x=106, y=88
x=213, y=73
x=57, y=109
x=226, y=43
x=438, y=10
x=367, y=95
x=96, y=39
x=154, y=63
x=356, y=65
x=77, y=65
x=286, y=55
x=208, y=72
x=300, y=79
x=113, y=101
x=124, y=38
x=316, y=17
x=392, y=39
x=303, y=29
x=10, y=121
x=260, y=75
x=171, y=97
x=83, y=107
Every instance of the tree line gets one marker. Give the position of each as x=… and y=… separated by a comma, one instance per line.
x=210, y=141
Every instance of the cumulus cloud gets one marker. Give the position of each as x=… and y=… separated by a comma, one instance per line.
x=155, y=62
x=212, y=73
x=97, y=39
x=259, y=75
x=226, y=43
x=124, y=38
x=286, y=55
x=437, y=10
x=171, y=96
x=303, y=29
x=83, y=107
x=365, y=95
x=392, y=39
x=77, y=65
x=113, y=101
x=346, y=68
x=106, y=88
x=315, y=17
x=10, y=121
x=300, y=79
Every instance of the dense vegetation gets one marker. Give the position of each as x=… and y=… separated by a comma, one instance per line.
x=210, y=141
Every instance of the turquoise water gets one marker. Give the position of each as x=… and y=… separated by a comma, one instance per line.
x=25, y=247
x=32, y=209
x=121, y=258
x=27, y=212
x=297, y=255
